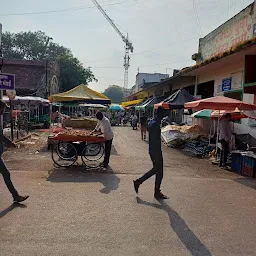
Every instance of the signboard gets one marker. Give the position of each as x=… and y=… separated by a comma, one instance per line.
x=226, y=84
x=234, y=32
x=237, y=80
x=7, y=81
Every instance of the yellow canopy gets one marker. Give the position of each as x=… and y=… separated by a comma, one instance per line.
x=81, y=93
x=130, y=103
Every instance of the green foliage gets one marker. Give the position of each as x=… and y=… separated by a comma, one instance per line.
x=36, y=46
x=115, y=93
x=72, y=72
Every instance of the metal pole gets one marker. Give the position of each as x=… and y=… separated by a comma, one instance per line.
x=217, y=138
x=11, y=119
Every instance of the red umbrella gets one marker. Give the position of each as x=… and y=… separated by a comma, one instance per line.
x=219, y=103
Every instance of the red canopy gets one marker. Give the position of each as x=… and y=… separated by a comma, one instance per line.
x=219, y=103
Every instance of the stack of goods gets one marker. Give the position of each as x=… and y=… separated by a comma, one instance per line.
x=249, y=164
x=198, y=148
x=236, y=163
x=176, y=136
x=85, y=123
x=244, y=163
x=73, y=132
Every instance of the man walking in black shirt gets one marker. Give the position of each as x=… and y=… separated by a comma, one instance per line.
x=5, y=172
x=155, y=152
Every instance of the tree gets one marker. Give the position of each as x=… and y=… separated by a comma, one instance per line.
x=33, y=46
x=72, y=72
x=115, y=93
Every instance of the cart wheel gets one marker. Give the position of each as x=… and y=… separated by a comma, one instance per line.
x=64, y=154
x=92, y=154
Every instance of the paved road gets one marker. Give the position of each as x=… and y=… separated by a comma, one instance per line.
x=73, y=212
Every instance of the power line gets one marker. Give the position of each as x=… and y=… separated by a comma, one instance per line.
x=79, y=8
x=149, y=50
x=197, y=18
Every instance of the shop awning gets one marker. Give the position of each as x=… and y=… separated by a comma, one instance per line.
x=149, y=104
x=176, y=100
x=27, y=99
x=86, y=105
x=131, y=103
x=81, y=93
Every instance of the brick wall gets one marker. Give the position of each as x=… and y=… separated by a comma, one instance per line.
x=30, y=75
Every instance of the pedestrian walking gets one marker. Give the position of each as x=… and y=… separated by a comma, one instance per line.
x=155, y=152
x=4, y=170
x=143, y=126
x=105, y=127
x=134, y=121
x=225, y=139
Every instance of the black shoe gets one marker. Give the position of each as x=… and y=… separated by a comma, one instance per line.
x=160, y=195
x=136, y=186
x=19, y=199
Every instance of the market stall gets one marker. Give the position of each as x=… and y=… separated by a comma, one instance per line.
x=222, y=105
x=175, y=103
x=115, y=114
x=24, y=113
x=81, y=94
x=73, y=142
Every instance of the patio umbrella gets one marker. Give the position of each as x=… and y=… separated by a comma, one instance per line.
x=215, y=114
x=116, y=107
x=219, y=103
x=203, y=114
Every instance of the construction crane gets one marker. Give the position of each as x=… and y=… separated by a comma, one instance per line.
x=128, y=45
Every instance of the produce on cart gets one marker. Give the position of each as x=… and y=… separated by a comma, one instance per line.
x=72, y=143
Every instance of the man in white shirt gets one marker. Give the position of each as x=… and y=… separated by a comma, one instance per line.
x=225, y=139
x=105, y=127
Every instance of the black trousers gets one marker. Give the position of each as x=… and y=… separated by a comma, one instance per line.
x=157, y=160
x=7, y=178
x=108, y=145
x=224, y=153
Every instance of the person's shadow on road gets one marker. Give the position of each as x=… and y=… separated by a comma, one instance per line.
x=179, y=226
x=77, y=174
x=11, y=207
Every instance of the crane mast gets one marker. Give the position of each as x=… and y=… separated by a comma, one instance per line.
x=128, y=45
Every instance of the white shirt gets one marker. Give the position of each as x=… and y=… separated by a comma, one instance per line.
x=225, y=130
x=105, y=127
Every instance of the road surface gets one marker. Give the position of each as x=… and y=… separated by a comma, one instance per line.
x=74, y=212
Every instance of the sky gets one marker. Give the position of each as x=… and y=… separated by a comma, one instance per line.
x=164, y=33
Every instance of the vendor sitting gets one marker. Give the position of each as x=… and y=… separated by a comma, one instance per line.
x=105, y=127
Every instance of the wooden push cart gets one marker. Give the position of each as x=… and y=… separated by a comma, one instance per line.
x=89, y=147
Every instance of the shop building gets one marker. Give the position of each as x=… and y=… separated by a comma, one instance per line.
x=33, y=77
x=226, y=61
